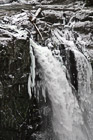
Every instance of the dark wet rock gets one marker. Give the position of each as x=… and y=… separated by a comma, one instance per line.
x=89, y=3
x=14, y=53
x=19, y=115
x=73, y=70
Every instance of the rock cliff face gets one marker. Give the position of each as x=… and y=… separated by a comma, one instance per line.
x=14, y=63
x=22, y=118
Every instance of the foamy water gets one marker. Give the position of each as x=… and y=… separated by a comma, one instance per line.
x=67, y=118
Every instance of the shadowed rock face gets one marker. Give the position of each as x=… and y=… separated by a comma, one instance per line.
x=21, y=118
x=89, y=2
x=14, y=63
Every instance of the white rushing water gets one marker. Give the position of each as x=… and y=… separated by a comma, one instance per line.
x=84, y=74
x=68, y=122
x=72, y=116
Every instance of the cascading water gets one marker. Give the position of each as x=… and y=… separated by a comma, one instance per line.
x=84, y=73
x=72, y=116
x=68, y=123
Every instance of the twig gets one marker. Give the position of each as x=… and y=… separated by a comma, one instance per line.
x=32, y=20
x=38, y=31
x=36, y=14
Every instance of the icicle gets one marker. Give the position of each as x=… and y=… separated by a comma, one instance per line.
x=19, y=88
x=44, y=93
x=29, y=86
x=32, y=68
x=31, y=78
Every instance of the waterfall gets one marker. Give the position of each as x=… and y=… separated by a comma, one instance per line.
x=68, y=122
x=67, y=76
x=84, y=73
